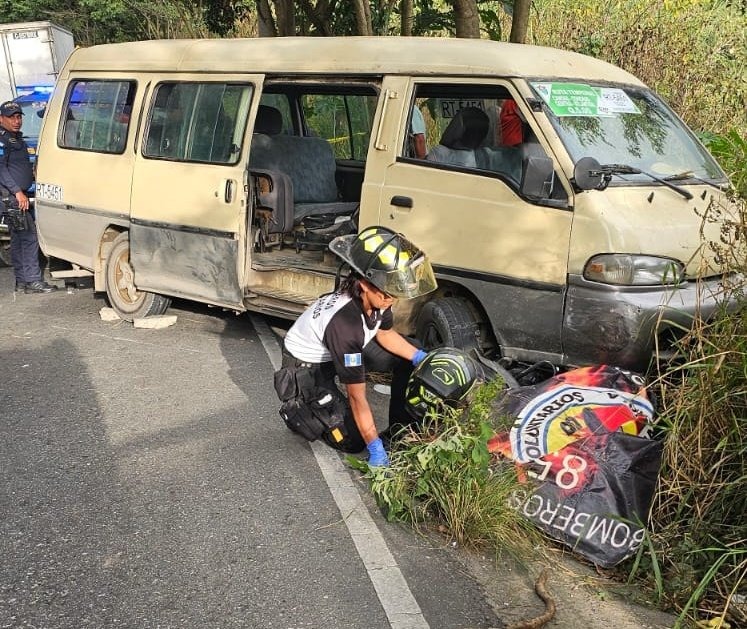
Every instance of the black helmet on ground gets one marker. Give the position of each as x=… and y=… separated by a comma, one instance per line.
x=445, y=376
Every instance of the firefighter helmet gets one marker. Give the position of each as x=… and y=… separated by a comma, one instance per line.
x=387, y=260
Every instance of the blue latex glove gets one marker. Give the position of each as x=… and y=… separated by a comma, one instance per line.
x=418, y=357
x=377, y=456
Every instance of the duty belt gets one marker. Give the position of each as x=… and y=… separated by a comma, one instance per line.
x=296, y=362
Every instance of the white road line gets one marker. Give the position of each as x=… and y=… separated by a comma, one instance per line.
x=400, y=606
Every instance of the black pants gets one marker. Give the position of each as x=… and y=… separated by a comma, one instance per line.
x=316, y=379
x=24, y=253
x=375, y=358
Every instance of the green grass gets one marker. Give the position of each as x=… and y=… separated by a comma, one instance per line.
x=443, y=477
x=695, y=552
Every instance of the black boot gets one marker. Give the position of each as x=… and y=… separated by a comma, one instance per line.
x=20, y=286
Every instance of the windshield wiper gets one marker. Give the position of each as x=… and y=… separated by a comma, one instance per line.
x=589, y=174
x=688, y=174
x=624, y=169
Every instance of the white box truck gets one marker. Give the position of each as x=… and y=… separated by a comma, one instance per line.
x=31, y=56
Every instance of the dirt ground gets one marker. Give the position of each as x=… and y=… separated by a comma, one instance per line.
x=582, y=597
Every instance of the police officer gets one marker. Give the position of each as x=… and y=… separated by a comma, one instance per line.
x=342, y=332
x=17, y=177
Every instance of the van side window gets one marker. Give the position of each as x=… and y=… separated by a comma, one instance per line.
x=343, y=120
x=197, y=122
x=97, y=116
x=472, y=127
x=281, y=103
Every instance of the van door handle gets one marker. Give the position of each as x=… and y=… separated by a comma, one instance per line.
x=228, y=194
x=379, y=145
x=401, y=201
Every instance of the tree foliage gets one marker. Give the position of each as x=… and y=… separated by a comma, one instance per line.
x=100, y=21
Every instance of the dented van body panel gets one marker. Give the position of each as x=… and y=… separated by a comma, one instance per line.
x=625, y=326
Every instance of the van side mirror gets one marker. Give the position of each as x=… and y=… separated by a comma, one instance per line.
x=537, y=177
x=40, y=112
x=587, y=174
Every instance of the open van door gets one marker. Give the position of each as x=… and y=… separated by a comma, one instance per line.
x=188, y=203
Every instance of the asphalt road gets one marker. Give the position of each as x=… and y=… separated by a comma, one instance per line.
x=147, y=481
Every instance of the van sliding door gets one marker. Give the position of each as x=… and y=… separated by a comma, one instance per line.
x=188, y=205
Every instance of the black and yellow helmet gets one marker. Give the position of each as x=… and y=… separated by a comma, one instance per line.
x=387, y=260
x=445, y=376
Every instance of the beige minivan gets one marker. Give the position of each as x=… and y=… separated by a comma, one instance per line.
x=558, y=197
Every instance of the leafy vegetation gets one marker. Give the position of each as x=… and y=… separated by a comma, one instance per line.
x=692, y=52
x=730, y=149
x=696, y=555
x=443, y=476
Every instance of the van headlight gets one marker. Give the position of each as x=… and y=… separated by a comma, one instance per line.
x=633, y=270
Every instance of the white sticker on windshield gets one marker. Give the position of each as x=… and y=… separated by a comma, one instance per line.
x=613, y=100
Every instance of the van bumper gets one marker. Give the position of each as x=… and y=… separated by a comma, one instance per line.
x=624, y=326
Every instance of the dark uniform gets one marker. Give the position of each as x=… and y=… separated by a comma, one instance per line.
x=17, y=175
x=335, y=337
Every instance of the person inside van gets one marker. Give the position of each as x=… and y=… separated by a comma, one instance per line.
x=512, y=125
x=343, y=332
x=419, y=148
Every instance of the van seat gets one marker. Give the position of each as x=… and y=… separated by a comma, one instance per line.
x=269, y=120
x=500, y=159
x=462, y=136
x=310, y=164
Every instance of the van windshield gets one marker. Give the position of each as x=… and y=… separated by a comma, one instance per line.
x=624, y=125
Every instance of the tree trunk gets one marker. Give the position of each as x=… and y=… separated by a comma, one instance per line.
x=407, y=18
x=362, y=12
x=286, y=18
x=319, y=15
x=466, y=18
x=520, y=21
x=265, y=22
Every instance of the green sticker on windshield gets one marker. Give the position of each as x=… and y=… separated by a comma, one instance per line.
x=577, y=99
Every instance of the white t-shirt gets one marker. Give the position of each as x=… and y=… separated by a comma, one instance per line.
x=417, y=122
x=335, y=328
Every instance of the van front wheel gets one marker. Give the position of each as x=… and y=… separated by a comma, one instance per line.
x=126, y=300
x=447, y=322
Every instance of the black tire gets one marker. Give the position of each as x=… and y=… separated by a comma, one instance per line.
x=126, y=300
x=5, y=253
x=447, y=322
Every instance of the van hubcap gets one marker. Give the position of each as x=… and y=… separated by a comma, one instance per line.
x=125, y=279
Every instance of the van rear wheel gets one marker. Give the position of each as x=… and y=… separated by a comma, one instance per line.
x=447, y=322
x=124, y=297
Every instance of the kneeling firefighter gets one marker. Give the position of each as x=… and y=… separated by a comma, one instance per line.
x=343, y=332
